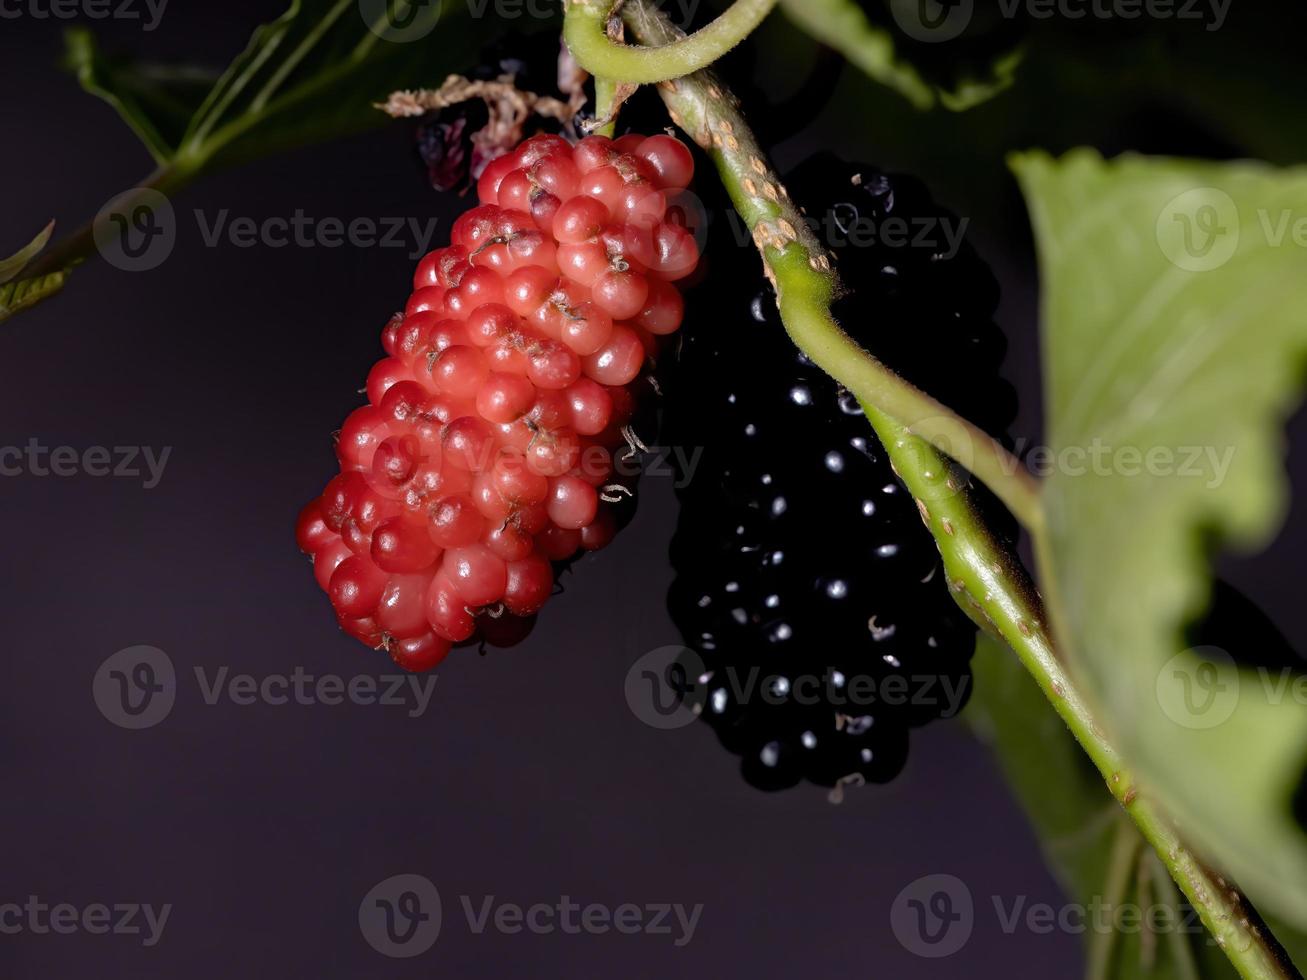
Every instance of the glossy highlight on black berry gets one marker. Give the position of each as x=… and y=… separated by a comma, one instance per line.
x=806, y=584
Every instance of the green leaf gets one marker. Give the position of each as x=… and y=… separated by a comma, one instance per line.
x=845, y=26
x=18, y=294
x=1088, y=841
x=316, y=72
x=16, y=263
x=970, y=92
x=25, y=293
x=1175, y=324
x=156, y=101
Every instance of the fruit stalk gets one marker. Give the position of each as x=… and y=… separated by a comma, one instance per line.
x=799, y=267
x=80, y=245
x=989, y=581
x=607, y=103
x=586, y=32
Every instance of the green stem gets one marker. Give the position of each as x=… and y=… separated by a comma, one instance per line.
x=79, y=245
x=805, y=287
x=993, y=586
x=585, y=31
x=605, y=105
x=988, y=580
x=801, y=270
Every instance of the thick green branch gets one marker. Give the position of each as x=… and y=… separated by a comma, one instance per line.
x=992, y=585
x=989, y=581
x=805, y=287
x=72, y=251
x=806, y=284
x=585, y=31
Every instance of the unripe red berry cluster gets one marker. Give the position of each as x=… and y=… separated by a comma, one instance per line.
x=491, y=424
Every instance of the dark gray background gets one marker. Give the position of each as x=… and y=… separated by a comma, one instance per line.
x=528, y=778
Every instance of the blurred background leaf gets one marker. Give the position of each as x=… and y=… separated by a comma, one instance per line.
x=1088, y=841
x=316, y=72
x=156, y=101
x=882, y=49
x=1173, y=317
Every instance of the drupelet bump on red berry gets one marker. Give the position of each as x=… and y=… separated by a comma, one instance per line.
x=490, y=424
